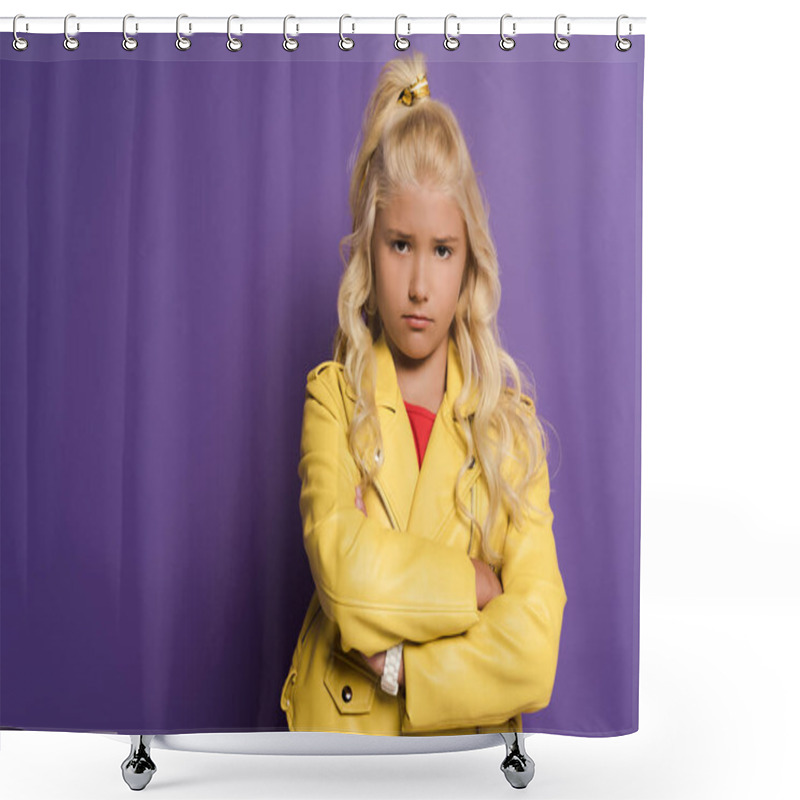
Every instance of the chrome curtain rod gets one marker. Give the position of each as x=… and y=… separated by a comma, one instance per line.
x=346, y=24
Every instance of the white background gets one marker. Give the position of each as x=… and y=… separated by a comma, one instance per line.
x=719, y=695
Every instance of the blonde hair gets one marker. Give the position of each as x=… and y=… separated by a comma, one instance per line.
x=409, y=146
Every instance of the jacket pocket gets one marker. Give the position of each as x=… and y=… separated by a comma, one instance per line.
x=351, y=688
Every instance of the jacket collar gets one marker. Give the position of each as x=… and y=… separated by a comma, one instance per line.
x=420, y=498
x=387, y=389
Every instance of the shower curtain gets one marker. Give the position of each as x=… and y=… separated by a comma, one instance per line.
x=170, y=224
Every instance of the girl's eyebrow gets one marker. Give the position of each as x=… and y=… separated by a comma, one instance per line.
x=441, y=240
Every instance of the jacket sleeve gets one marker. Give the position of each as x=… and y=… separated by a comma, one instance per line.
x=380, y=585
x=506, y=663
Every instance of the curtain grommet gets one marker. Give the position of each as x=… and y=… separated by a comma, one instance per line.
x=182, y=42
x=400, y=42
x=70, y=42
x=290, y=43
x=451, y=42
x=344, y=42
x=18, y=43
x=129, y=43
x=560, y=42
x=507, y=42
x=233, y=44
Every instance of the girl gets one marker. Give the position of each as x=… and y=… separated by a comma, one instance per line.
x=425, y=489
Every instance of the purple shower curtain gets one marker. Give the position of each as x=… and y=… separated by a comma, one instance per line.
x=169, y=241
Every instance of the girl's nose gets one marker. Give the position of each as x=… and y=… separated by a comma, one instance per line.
x=419, y=280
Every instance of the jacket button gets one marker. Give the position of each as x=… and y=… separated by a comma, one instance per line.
x=347, y=694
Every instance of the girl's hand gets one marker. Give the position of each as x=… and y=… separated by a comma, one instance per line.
x=360, y=501
x=377, y=662
x=487, y=584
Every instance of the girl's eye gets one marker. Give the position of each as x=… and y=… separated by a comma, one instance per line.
x=440, y=248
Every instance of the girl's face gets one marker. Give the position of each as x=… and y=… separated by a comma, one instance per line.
x=419, y=248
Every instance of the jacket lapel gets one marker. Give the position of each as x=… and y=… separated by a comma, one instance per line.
x=420, y=499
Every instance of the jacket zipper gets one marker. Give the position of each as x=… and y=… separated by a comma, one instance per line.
x=471, y=523
x=379, y=490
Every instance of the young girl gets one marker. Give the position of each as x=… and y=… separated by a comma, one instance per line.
x=425, y=488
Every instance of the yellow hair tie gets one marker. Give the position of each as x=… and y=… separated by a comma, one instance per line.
x=414, y=92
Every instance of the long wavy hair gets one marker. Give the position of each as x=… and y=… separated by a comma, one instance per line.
x=410, y=146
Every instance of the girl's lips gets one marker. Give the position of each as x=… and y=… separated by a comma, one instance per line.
x=417, y=322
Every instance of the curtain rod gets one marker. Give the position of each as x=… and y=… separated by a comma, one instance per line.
x=298, y=25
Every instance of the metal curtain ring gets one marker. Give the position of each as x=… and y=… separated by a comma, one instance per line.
x=182, y=43
x=128, y=42
x=507, y=42
x=19, y=43
x=401, y=43
x=233, y=44
x=451, y=42
x=561, y=43
x=344, y=42
x=70, y=42
x=623, y=45
x=290, y=43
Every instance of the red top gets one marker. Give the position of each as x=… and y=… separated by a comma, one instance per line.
x=421, y=424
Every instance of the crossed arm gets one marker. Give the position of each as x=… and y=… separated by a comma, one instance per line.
x=487, y=586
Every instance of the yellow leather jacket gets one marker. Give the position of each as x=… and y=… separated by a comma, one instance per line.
x=402, y=573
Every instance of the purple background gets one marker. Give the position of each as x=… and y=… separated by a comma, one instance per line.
x=169, y=237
